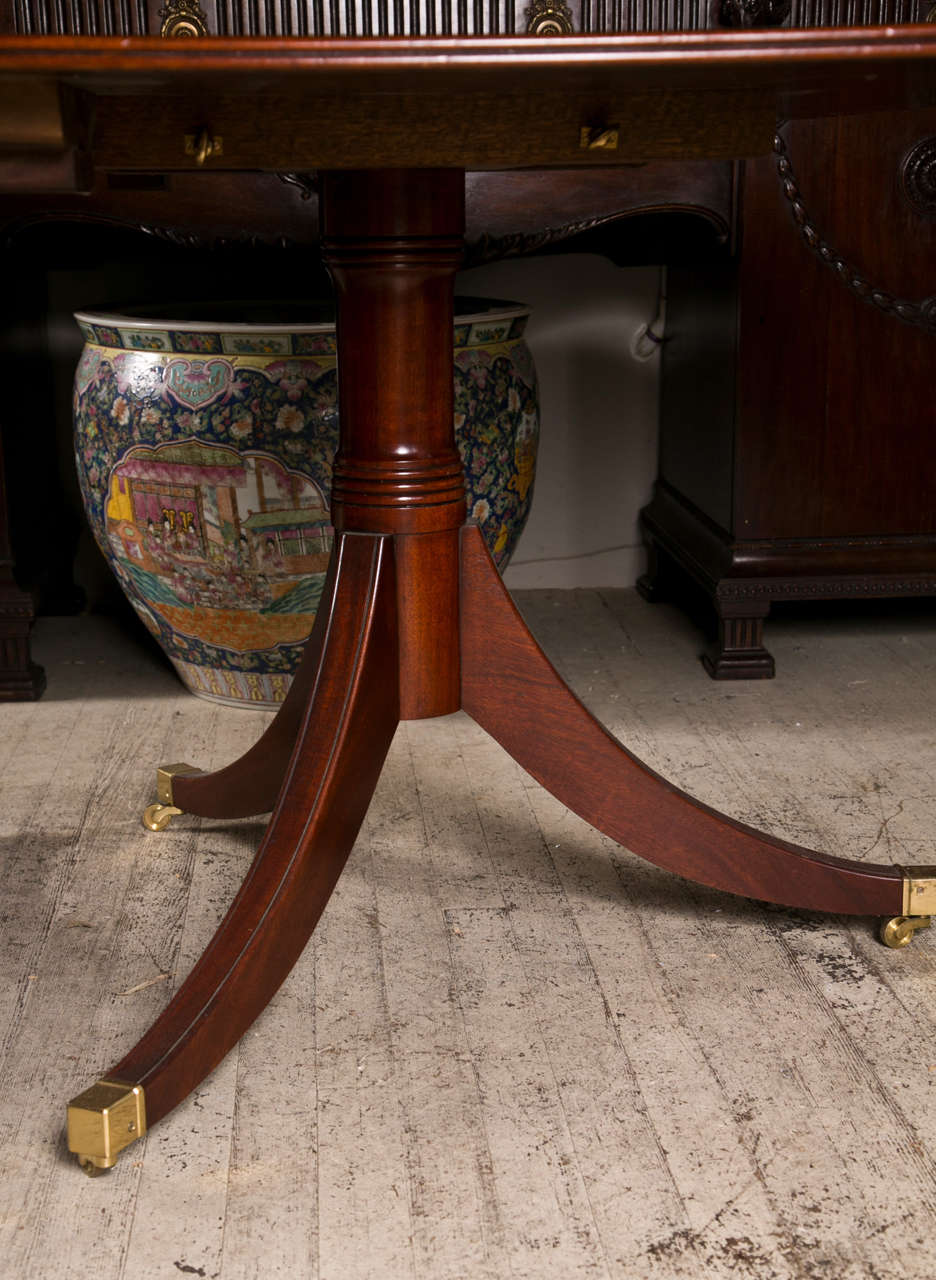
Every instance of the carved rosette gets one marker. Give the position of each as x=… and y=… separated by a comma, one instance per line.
x=183, y=19
x=549, y=18
x=918, y=177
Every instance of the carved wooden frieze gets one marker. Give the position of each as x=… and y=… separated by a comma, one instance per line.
x=427, y=18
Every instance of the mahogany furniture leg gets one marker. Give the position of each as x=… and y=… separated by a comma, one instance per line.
x=385, y=645
x=250, y=785
x=653, y=584
x=739, y=653
x=346, y=731
x=513, y=691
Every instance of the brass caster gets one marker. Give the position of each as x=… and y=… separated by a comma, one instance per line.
x=104, y=1120
x=156, y=817
x=899, y=930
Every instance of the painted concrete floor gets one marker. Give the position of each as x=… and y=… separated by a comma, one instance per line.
x=512, y=1048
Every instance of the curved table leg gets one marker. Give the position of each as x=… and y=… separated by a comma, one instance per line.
x=344, y=737
x=512, y=690
x=250, y=785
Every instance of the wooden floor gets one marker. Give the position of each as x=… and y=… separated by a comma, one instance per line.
x=512, y=1049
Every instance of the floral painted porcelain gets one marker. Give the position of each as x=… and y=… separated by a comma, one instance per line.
x=205, y=454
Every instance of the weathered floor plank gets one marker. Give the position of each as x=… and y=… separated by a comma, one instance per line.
x=513, y=1049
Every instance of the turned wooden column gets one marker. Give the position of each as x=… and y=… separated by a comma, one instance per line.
x=393, y=241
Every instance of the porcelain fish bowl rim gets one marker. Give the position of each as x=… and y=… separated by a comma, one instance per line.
x=468, y=310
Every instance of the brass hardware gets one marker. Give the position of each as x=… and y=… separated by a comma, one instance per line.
x=103, y=1120
x=164, y=775
x=549, y=18
x=156, y=817
x=599, y=137
x=184, y=19
x=919, y=891
x=203, y=146
x=917, y=908
x=899, y=930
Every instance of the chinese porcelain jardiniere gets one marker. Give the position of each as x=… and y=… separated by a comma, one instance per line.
x=205, y=455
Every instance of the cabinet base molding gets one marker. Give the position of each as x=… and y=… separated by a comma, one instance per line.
x=742, y=579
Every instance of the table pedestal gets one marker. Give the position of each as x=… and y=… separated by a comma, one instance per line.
x=414, y=622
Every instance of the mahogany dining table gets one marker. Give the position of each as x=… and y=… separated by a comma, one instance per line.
x=414, y=620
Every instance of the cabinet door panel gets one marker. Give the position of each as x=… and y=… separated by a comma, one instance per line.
x=783, y=310
x=880, y=409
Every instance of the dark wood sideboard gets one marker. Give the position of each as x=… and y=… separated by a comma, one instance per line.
x=746, y=500
x=797, y=416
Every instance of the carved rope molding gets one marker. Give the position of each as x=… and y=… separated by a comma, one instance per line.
x=517, y=244
x=922, y=314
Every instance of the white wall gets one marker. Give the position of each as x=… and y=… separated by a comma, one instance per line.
x=598, y=447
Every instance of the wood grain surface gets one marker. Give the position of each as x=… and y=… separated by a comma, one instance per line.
x=488, y=101
x=327, y=787
x=513, y=691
